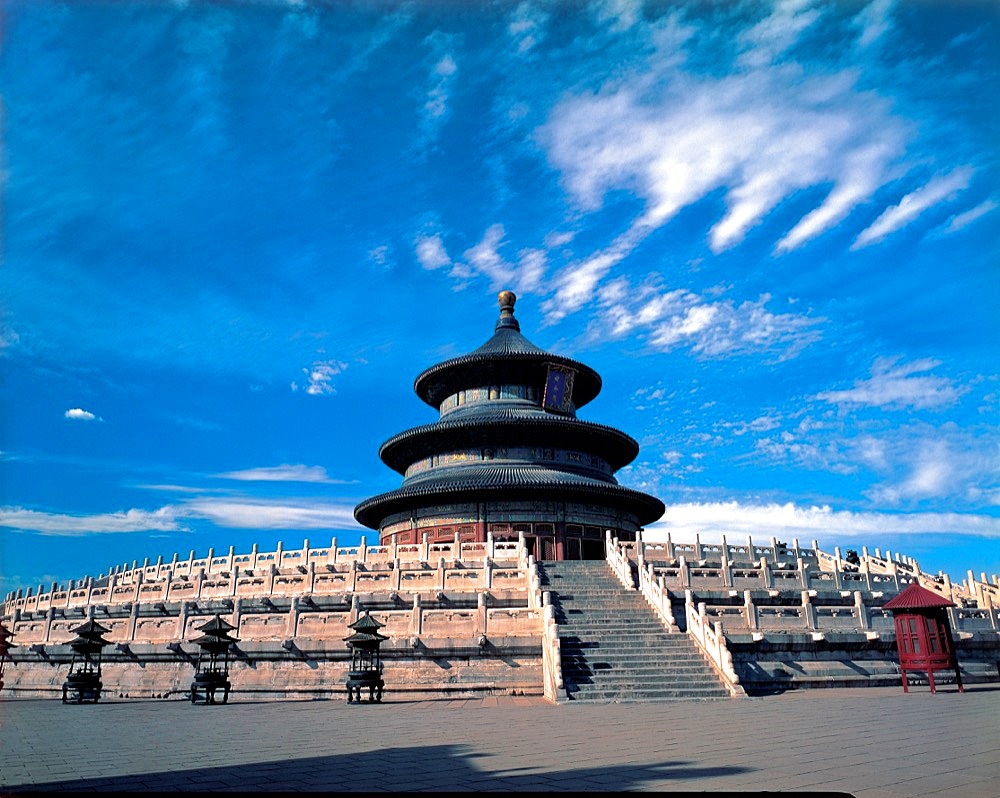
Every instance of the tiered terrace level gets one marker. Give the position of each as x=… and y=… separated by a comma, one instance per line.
x=508, y=456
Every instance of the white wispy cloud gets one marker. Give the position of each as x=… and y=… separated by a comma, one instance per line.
x=898, y=386
x=231, y=513
x=762, y=136
x=862, y=172
x=618, y=15
x=947, y=462
x=8, y=338
x=223, y=512
x=381, y=256
x=431, y=252
x=786, y=521
x=79, y=414
x=773, y=36
x=874, y=21
x=443, y=72
x=962, y=220
x=577, y=285
x=172, y=488
x=527, y=27
x=893, y=465
x=162, y=520
x=486, y=259
x=940, y=189
x=320, y=377
x=283, y=473
x=933, y=475
x=681, y=318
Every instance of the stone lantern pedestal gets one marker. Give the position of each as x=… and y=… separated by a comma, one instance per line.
x=5, y=646
x=212, y=673
x=366, y=664
x=84, y=680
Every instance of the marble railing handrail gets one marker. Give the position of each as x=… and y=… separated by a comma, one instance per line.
x=712, y=641
x=655, y=593
x=82, y=592
x=553, y=687
x=618, y=560
x=254, y=624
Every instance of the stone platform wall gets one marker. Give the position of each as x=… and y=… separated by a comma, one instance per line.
x=461, y=619
x=261, y=671
x=778, y=616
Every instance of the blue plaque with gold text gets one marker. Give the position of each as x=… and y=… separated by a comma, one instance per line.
x=558, y=396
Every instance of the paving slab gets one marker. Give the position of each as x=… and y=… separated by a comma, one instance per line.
x=870, y=742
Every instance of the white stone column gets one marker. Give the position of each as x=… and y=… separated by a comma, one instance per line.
x=237, y=616
x=133, y=619
x=684, y=572
x=416, y=617
x=808, y=610
x=751, y=611
x=765, y=573
x=292, y=621
x=859, y=605
x=50, y=616
x=481, y=613
x=182, y=616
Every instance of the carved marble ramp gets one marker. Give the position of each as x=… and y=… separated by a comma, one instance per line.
x=613, y=646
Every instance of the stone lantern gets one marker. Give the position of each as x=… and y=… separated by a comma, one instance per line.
x=923, y=634
x=84, y=680
x=212, y=671
x=366, y=662
x=5, y=646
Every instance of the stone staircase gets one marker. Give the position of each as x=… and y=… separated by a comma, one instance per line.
x=613, y=647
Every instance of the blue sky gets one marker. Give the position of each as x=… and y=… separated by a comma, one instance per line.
x=234, y=234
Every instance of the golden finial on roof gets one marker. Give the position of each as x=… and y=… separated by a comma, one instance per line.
x=507, y=300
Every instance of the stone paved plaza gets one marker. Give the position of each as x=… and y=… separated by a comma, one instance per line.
x=873, y=742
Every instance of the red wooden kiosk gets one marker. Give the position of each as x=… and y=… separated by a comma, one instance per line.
x=923, y=634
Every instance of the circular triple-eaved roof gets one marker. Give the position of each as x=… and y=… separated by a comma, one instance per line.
x=506, y=358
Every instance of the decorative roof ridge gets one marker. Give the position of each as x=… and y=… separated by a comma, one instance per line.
x=547, y=419
x=506, y=347
x=538, y=472
x=916, y=596
x=432, y=490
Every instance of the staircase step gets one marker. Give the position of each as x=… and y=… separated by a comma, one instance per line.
x=614, y=648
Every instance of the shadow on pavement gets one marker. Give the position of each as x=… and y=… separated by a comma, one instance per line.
x=433, y=768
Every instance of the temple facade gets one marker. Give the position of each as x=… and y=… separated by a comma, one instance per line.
x=508, y=458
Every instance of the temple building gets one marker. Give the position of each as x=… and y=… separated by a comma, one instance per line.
x=507, y=471
x=508, y=457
